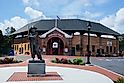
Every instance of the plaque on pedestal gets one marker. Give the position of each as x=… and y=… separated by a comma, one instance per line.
x=36, y=68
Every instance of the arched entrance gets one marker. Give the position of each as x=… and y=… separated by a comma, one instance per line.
x=55, y=46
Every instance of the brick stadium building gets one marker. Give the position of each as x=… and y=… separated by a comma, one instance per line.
x=63, y=40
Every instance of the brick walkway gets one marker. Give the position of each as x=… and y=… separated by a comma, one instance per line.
x=105, y=72
x=49, y=76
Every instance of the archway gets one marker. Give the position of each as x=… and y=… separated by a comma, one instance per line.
x=55, y=46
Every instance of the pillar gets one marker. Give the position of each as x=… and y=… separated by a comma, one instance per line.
x=117, y=45
x=70, y=46
x=81, y=43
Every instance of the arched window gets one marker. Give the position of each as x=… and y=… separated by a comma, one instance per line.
x=25, y=46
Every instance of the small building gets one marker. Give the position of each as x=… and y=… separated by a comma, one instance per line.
x=68, y=37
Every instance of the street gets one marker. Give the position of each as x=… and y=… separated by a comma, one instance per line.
x=115, y=64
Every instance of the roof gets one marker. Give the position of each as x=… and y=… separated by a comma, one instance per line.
x=68, y=24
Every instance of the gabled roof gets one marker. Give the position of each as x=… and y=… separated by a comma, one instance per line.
x=57, y=29
x=68, y=25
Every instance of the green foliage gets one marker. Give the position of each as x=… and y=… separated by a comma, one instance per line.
x=120, y=80
x=77, y=61
x=69, y=61
x=8, y=61
x=53, y=61
x=6, y=41
x=9, y=30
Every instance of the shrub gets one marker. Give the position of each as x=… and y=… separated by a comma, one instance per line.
x=70, y=62
x=64, y=61
x=8, y=60
x=120, y=80
x=58, y=60
x=78, y=61
x=53, y=61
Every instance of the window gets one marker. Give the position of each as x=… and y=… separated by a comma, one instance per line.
x=107, y=48
x=28, y=46
x=114, y=49
x=93, y=48
x=25, y=46
x=17, y=47
x=77, y=47
x=98, y=51
x=110, y=48
x=102, y=51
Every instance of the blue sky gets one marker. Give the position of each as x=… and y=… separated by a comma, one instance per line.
x=17, y=13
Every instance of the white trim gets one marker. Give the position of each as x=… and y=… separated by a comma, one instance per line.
x=53, y=29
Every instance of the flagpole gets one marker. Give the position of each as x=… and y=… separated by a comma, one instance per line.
x=56, y=22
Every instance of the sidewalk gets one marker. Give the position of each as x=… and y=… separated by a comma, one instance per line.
x=112, y=76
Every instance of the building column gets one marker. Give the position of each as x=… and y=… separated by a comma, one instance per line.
x=69, y=43
x=70, y=46
x=81, y=44
x=22, y=44
x=117, y=45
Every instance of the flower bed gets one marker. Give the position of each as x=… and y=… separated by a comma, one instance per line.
x=8, y=61
x=120, y=80
x=76, y=61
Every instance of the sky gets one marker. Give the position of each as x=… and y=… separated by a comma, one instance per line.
x=17, y=13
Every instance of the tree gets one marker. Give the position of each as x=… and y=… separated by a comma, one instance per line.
x=6, y=40
x=1, y=41
x=121, y=43
x=1, y=36
x=9, y=30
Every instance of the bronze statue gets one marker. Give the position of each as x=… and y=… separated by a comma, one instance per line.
x=35, y=49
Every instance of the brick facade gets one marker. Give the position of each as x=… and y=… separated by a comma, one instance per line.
x=73, y=45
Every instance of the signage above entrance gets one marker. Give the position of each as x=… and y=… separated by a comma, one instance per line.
x=60, y=34
x=55, y=34
x=55, y=45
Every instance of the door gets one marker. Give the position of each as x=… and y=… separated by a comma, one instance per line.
x=55, y=46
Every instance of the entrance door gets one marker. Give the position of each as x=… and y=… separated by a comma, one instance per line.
x=73, y=51
x=55, y=46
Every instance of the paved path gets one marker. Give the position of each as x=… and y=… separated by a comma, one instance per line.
x=69, y=75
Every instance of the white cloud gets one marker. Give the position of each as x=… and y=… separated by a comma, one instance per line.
x=108, y=21
x=66, y=7
x=31, y=2
x=25, y=2
x=16, y=22
x=120, y=16
x=33, y=13
x=75, y=7
x=91, y=15
x=115, y=21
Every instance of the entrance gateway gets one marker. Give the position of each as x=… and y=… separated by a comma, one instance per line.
x=56, y=41
x=55, y=46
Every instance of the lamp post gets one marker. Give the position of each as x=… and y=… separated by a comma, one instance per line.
x=88, y=48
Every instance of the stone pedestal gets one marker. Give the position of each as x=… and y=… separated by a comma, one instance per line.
x=36, y=68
